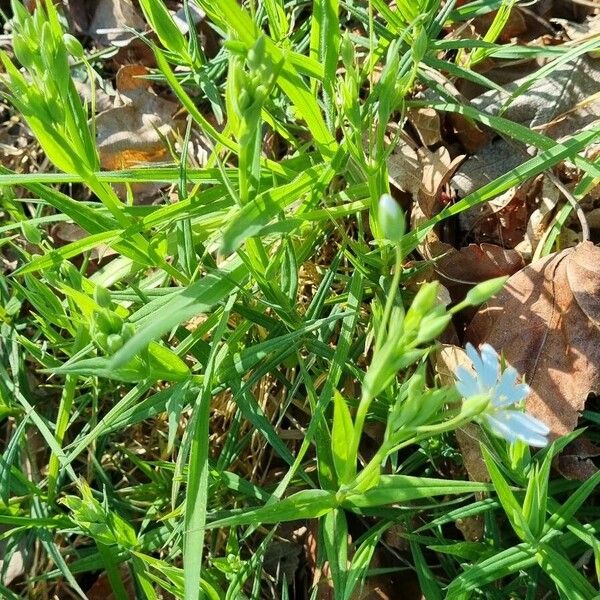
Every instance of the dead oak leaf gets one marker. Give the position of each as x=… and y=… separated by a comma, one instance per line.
x=111, y=20
x=546, y=321
x=134, y=133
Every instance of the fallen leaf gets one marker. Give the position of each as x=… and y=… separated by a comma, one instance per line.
x=539, y=219
x=550, y=100
x=478, y=262
x=134, y=133
x=546, y=323
x=111, y=20
x=426, y=121
x=575, y=461
x=404, y=168
x=436, y=170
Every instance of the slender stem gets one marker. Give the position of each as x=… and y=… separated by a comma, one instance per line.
x=389, y=304
x=367, y=398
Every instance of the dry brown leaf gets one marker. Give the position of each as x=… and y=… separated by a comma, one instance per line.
x=478, y=262
x=546, y=322
x=427, y=123
x=111, y=19
x=539, y=219
x=134, y=134
x=437, y=169
x=404, y=168
x=575, y=461
x=470, y=135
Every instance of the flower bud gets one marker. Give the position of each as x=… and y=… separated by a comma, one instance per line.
x=73, y=46
x=482, y=292
x=107, y=321
x=256, y=54
x=391, y=218
x=431, y=327
x=422, y=304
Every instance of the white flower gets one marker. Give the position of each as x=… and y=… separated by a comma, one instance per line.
x=500, y=415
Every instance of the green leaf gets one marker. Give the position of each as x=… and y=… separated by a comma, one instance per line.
x=405, y=488
x=335, y=535
x=341, y=435
x=307, y=504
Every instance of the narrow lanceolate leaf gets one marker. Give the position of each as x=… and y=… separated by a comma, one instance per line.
x=341, y=432
x=335, y=535
x=308, y=504
x=255, y=215
x=195, y=299
x=405, y=488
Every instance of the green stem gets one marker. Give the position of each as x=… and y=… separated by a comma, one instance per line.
x=389, y=304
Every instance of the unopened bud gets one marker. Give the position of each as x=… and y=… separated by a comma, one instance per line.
x=431, y=327
x=73, y=46
x=482, y=292
x=114, y=342
x=391, y=219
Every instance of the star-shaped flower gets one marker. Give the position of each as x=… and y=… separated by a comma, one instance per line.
x=500, y=415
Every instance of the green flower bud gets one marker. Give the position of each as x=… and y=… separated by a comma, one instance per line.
x=244, y=100
x=431, y=327
x=422, y=305
x=391, y=219
x=73, y=46
x=107, y=321
x=127, y=331
x=482, y=292
x=256, y=54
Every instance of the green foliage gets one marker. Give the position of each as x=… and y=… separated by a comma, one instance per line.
x=224, y=371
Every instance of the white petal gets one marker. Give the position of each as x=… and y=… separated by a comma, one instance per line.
x=508, y=391
x=524, y=427
x=466, y=383
x=533, y=424
x=475, y=358
x=500, y=429
x=491, y=366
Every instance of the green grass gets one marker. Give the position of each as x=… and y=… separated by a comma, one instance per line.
x=136, y=434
